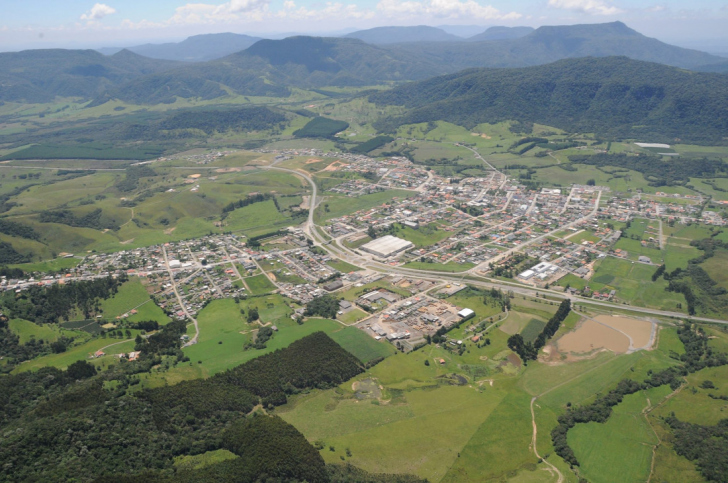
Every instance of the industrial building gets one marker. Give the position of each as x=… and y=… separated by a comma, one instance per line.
x=387, y=246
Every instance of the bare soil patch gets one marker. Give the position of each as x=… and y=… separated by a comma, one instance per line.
x=639, y=330
x=228, y=170
x=591, y=336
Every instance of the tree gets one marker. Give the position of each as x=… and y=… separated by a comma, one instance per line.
x=253, y=314
x=372, y=232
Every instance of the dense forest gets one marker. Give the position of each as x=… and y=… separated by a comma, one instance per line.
x=92, y=219
x=612, y=96
x=324, y=306
x=8, y=254
x=244, y=119
x=321, y=127
x=50, y=304
x=81, y=428
x=13, y=228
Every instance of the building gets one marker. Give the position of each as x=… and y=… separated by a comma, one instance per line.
x=387, y=246
x=335, y=285
x=466, y=313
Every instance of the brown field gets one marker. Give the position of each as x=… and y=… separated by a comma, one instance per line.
x=591, y=336
x=639, y=330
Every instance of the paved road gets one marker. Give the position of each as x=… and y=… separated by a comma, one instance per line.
x=179, y=299
x=347, y=255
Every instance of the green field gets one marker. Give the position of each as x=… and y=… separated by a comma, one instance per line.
x=259, y=284
x=343, y=266
x=27, y=330
x=362, y=345
x=133, y=296
x=621, y=448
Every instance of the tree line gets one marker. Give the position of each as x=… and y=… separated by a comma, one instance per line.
x=528, y=351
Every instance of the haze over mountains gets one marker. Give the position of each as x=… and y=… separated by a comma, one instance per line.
x=198, y=48
x=272, y=67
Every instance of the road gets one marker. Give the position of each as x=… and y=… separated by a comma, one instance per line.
x=179, y=299
x=347, y=255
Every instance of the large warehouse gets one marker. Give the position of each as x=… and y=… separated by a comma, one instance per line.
x=387, y=246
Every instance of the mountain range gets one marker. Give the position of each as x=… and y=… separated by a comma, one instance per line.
x=272, y=67
x=395, y=35
x=198, y=48
x=612, y=96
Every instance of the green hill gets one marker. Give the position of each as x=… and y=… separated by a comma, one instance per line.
x=612, y=96
x=41, y=75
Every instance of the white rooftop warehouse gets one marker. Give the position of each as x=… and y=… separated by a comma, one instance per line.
x=387, y=246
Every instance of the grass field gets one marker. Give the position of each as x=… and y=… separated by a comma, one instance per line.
x=27, y=330
x=133, y=295
x=422, y=237
x=342, y=266
x=440, y=267
x=259, y=284
x=340, y=206
x=363, y=346
x=633, y=283
x=77, y=353
x=621, y=448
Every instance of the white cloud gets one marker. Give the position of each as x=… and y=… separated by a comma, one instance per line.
x=98, y=11
x=593, y=7
x=331, y=11
x=197, y=13
x=657, y=8
x=444, y=9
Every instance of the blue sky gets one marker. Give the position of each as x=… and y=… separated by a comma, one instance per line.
x=80, y=23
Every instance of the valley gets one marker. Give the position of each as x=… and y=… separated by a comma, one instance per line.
x=343, y=259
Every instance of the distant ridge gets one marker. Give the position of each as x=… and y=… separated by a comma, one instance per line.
x=198, y=48
x=395, y=35
x=551, y=43
x=501, y=33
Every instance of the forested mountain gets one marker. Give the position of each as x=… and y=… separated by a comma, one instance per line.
x=395, y=35
x=198, y=48
x=40, y=75
x=270, y=67
x=612, y=96
x=720, y=67
x=501, y=33
x=552, y=43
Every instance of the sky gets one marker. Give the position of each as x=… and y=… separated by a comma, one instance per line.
x=26, y=24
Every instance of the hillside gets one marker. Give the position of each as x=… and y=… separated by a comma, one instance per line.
x=552, y=43
x=198, y=48
x=395, y=35
x=41, y=75
x=501, y=33
x=612, y=96
x=270, y=67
